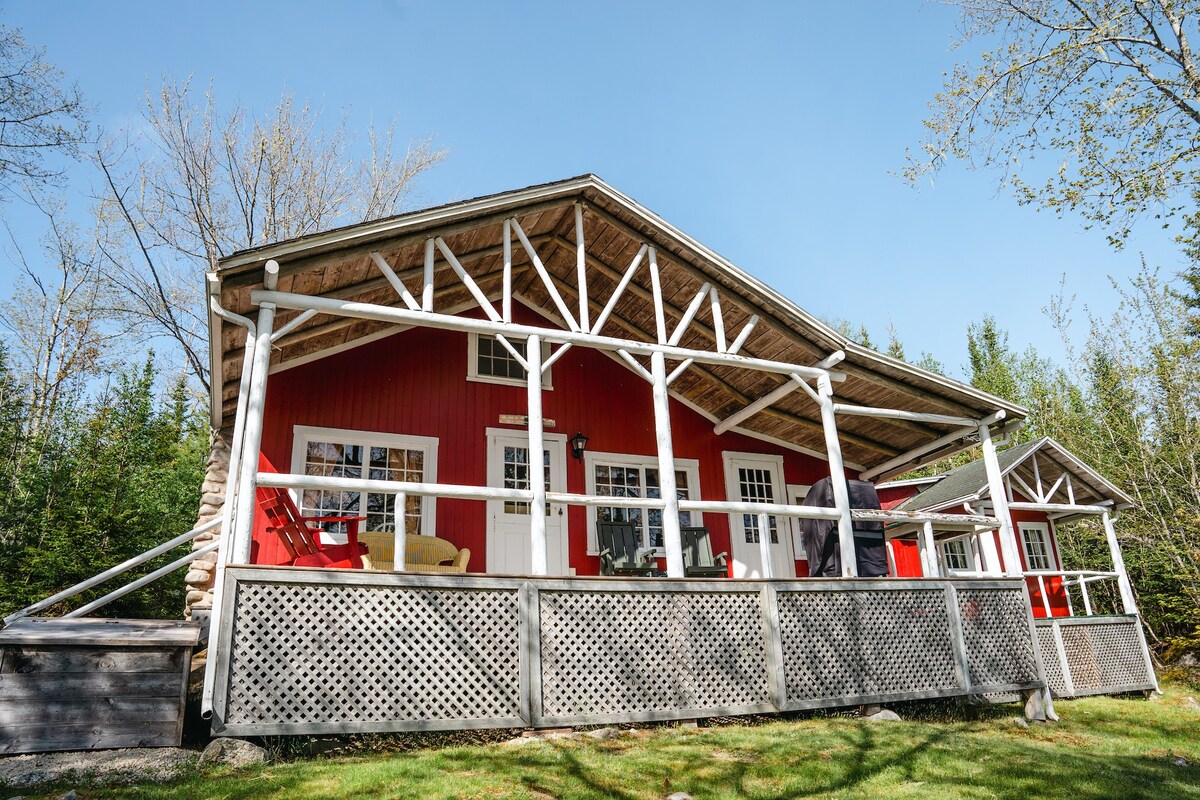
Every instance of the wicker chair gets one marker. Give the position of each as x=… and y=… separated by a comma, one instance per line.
x=421, y=553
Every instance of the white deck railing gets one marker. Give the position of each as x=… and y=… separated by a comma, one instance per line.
x=120, y=569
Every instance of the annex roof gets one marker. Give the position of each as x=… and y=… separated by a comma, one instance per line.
x=968, y=483
x=338, y=264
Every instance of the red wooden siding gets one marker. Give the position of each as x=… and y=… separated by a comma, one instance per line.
x=908, y=560
x=415, y=383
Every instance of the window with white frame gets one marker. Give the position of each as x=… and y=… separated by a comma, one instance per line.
x=757, y=485
x=491, y=362
x=618, y=475
x=342, y=453
x=1035, y=540
x=958, y=555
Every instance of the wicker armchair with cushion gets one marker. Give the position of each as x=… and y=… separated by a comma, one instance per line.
x=421, y=553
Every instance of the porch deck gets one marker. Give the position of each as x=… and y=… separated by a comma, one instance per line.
x=307, y=651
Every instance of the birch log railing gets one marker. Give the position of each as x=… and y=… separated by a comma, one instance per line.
x=121, y=569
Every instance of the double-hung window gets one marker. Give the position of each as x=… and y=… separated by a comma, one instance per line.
x=619, y=475
x=363, y=454
x=958, y=555
x=1035, y=541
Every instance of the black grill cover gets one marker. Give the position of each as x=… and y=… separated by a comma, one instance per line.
x=821, y=535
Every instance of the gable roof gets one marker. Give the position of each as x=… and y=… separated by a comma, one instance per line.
x=969, y=483
x=338, y=263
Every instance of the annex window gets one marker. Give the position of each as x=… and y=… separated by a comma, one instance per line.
x=1035, y=540
x=490, y=362
x=617, y=475
x=957, y=556
x=375, y=456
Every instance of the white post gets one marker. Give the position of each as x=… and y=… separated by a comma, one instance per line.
x=1045, y=599
x=1128, y=603
x=1087, y=600
x=427, y=288
x=400, y=537
x=506, y=301
x=837, y=474
x=232, y=480
x=672, y=538
x=718, y=320
x=243, y=525
x=930, y=550
x=537, y=448
x=581, y=268
x=1008, y=540
x=764, y=545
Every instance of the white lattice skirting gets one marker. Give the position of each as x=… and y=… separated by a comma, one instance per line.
x=331, y=651
x=1095, y=655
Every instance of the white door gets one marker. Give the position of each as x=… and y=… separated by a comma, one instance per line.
x=509, y=549
x=753, y=478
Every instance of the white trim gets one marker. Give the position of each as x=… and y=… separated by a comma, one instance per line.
x=733, y=458
x=690, y=466
x=303, y=434
x=551, y=442
x=473, y=365
x=1043, y=530
x=972, y=554
x=796, y=492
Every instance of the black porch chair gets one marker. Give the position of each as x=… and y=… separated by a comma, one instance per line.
x=619, y=551
x=698, y=558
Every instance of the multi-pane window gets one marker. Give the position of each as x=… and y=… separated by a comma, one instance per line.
x=957, y=556
x=756, y=485
x=621, y=480
x=493, y=360
x=516, y=476
x=349, y=454
x=613, y=475
x=1036, y=541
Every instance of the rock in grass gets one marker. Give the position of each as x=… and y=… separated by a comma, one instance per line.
x=605, y=733
x=1180, y=761
x=69, y=795
x=679, y=796
x=232, y=752
x=1192, y=703
x=1020, y=722
x=884, y=715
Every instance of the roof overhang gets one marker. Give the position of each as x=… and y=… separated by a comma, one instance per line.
x=339, y=264
x=1042, y=470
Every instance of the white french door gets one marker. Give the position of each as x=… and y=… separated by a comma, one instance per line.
x=755, y=478
x=509, y=548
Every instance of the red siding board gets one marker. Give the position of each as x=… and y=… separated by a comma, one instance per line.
x=908, y=560
x=414, y=382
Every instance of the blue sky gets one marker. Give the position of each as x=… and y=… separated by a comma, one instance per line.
x=770, y=131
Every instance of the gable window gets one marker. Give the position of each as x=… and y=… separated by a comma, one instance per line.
x=618, y=475
x=362, y=454
x=489, y=361
x=1035, y=541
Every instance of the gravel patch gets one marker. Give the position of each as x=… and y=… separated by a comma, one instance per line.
x=132, y=765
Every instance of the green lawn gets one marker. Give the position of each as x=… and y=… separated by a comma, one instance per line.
x=1102, y=748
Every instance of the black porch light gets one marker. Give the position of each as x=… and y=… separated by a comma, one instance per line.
x=578, y=445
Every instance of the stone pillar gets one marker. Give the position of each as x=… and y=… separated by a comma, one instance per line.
x=200, y=575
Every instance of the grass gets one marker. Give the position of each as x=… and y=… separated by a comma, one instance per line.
x=1101, y=748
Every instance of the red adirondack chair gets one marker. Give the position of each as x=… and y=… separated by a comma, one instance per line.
x=301, y=540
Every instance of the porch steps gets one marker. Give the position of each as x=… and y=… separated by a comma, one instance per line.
x=89, y=684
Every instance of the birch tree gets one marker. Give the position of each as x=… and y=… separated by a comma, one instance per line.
x=55, y=319
x=209, y=182
x=1088, y=106
x=40, y=115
